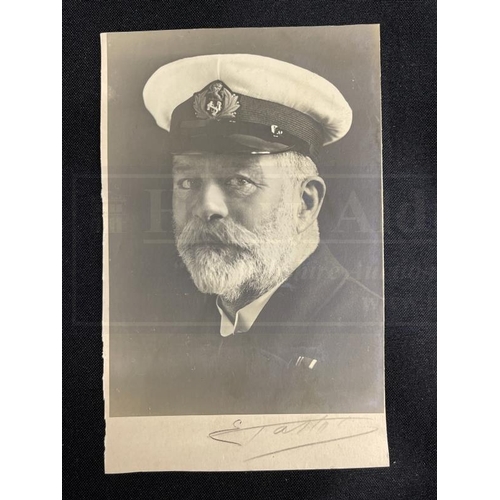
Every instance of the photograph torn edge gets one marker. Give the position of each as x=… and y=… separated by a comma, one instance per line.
x=105, y=221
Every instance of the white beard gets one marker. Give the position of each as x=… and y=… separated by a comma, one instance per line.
x=226, y=259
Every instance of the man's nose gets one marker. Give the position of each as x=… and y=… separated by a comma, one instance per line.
x=211, y=204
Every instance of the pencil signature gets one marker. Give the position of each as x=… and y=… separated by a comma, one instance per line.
x=287, y=436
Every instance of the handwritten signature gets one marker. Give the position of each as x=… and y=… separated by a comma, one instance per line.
x=294, y=434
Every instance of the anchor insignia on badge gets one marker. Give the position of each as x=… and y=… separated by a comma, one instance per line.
x=215, y=103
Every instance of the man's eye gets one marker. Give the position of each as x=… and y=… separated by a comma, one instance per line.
x=187, y=183
x=240, y=183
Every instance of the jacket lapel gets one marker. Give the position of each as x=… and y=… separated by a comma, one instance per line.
x=309, y=288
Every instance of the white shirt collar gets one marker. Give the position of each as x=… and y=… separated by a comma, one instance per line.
x=245, y=317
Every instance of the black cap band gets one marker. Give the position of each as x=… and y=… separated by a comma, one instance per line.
x=241, y=124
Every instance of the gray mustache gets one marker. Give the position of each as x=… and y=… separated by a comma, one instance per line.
x=224, y=232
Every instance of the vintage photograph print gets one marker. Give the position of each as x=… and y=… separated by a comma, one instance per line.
x=243, y=323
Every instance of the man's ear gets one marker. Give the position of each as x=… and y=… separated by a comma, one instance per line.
x=313, y=190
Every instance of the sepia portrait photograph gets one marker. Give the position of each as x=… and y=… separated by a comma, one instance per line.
x=243, y=318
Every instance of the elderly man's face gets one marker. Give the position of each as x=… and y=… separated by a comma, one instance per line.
x=235, y=220
x=245, y=189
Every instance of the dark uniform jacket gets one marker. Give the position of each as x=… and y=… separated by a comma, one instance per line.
x=316, y=347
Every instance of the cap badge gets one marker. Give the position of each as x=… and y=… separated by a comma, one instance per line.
x=215, y=103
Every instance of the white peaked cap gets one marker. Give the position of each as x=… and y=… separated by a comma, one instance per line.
x=254, y=76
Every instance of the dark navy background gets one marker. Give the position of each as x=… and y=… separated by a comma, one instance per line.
x=408, y=50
